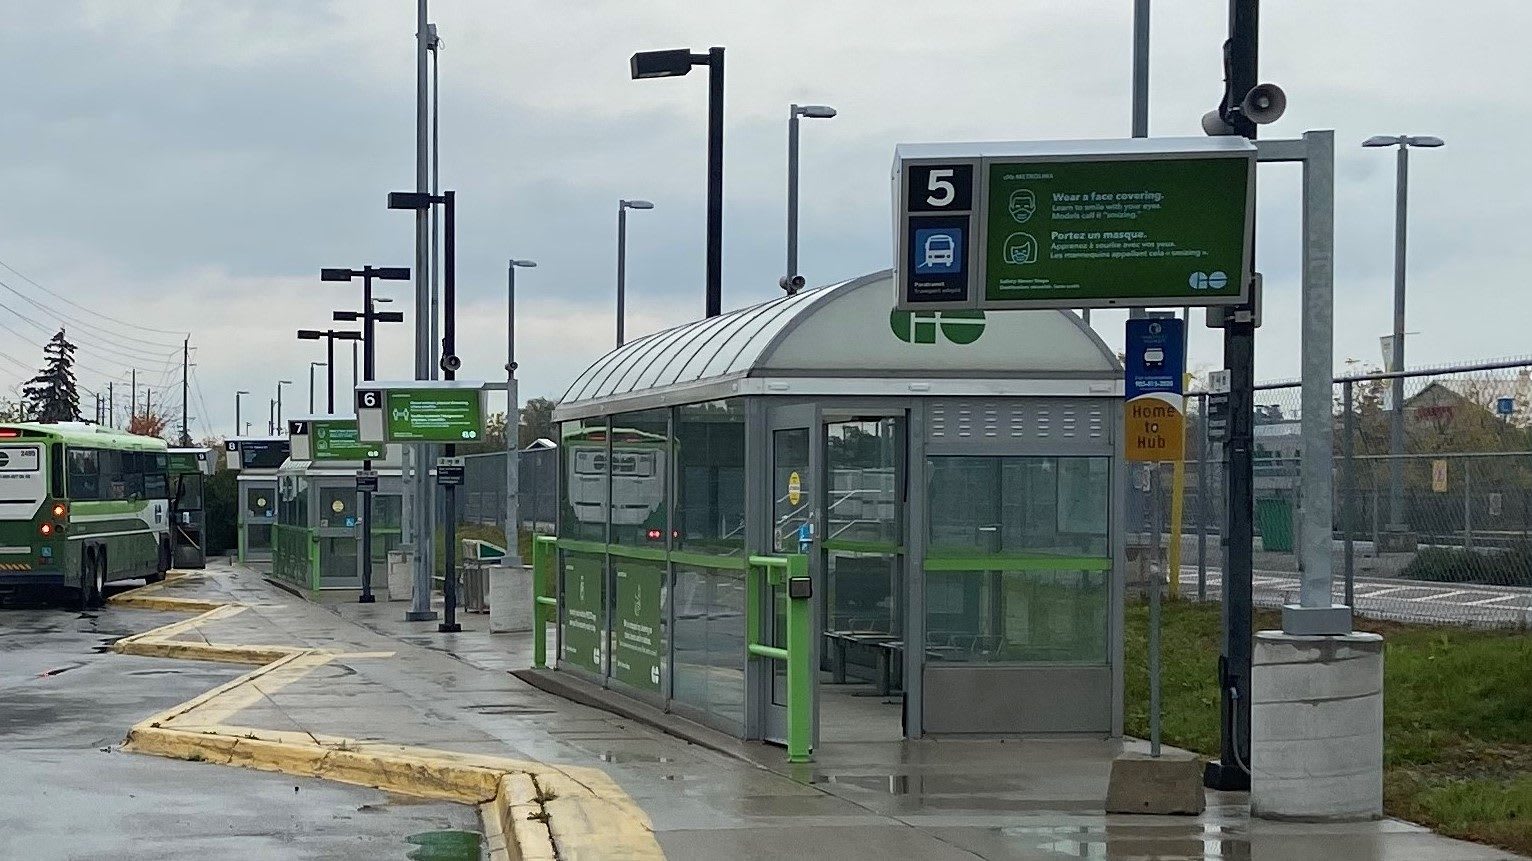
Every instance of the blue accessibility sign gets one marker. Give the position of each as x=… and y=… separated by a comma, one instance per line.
x=1155, y=356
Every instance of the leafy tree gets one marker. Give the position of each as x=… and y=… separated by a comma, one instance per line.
x=536, y=421
x=51, y=395
x=148, y=424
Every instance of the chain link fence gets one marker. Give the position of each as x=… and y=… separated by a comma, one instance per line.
x=483, y=494
x=1433, y=502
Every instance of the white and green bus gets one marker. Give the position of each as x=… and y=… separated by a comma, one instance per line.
x=81, y=506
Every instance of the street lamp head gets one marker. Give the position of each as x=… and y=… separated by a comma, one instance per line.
x=345, y=335
x=284, y=382
x=335, y=275
x=309, y=334
x=1424, y=141
x=389, y=316
x=409, y=200
x=346, y=316
x=1383, y=140
x=635, y=204
x=392, y=273
x=525, y=264
x=817, y=112
x=660, y=64
x=241, y=392
x=318, y=364
x=433, y=41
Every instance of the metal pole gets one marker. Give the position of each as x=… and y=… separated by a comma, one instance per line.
x=1228, y=773
x=1140, y=86
x=312, y=365
x=792, y=191
x=1156, y=571
x=512, y=430
x=1467, y=504
x=436, y=173
x=1396, y=522
x=715, y=183
x=329, y=373
x=271, y=417
x=133, y=394
x=369, y=350
x=111, y=408
x=185, y=368
x=238, y=425
x=1317, y=426
x=417, y=495
x=276, y=417
x=354, y=371
x=622, y=267
x=1348, y=489
x=449, y=623
x=1202, y=500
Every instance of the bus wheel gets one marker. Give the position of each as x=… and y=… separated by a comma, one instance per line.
x=162, y=566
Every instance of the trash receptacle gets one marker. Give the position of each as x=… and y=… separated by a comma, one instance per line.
x=1274, y=518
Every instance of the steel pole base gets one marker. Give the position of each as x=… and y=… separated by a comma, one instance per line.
x=367, y=598
x=419, y=615
x=446, y=628
x=1225, y=778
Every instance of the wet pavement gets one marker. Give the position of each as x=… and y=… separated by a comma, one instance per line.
x=66, y=791
x=859, y=800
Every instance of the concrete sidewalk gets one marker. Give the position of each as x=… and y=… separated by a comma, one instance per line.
x=385, y=683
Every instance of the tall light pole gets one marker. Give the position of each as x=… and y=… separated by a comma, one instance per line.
x=238, y=425
x=449, y=363
x=673, y=63
x=330, y=336
x=622, y=262
x=276, y=418
x=369, y=315
x=312, y=366
x=513, y=416
x=418, y=490
x=792, y=282
x=1396, y=421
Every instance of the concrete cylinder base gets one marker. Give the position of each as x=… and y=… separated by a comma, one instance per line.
x=510, y=599
x=398, y=573
x=1316, y=727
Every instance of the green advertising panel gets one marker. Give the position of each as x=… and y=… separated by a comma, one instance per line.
x=339, y=439
x=636, y=626
x=434, y=415
x=580, y=627
x=1116, y=232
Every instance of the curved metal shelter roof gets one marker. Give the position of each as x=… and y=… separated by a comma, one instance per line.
x=843, y=332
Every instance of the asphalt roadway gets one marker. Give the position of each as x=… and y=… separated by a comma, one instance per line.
x=66, y=702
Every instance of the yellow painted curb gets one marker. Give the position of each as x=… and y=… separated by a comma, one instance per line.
x=531, y=810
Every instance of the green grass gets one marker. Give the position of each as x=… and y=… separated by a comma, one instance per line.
x=1457, y=715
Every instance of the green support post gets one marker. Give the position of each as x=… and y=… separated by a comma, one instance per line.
x=800, y=690
x=544, y=551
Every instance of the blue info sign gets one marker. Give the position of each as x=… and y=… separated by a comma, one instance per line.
x=1156, y=357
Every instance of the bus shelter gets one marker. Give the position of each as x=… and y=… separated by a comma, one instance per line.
x=317, y=534
x=189, y=470
x=951, y=479
x=256, y=459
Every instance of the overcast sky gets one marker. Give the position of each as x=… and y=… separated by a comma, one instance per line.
x=189, y=166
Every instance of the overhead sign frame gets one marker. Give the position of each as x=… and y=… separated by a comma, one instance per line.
x=457, y=415
x=948, y=188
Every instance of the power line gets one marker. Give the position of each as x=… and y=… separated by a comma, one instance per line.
x=95, y=329
x=89, y=310
x=130, y=355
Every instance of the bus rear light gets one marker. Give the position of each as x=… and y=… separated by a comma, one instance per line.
x=46, y=529
x=9, y=433
x=655, y=535
x=60, y=510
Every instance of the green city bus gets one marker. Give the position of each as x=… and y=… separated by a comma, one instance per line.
x=81, y=506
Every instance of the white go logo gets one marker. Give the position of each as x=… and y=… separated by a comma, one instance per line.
x=1208, y=280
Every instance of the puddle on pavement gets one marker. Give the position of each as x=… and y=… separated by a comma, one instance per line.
x=1191, y=842
x=504, y=709
x=154, y=672
x=617, y=756
x=444, y=846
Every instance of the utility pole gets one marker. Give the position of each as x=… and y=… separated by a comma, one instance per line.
x=111, y=406
x=418, y=493
x=185, y=367
x=133, y=400
x=1229, y=772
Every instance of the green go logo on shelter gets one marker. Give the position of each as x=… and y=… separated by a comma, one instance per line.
x=923, y=327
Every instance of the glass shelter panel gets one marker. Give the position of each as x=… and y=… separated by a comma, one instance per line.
x=710, y=479
x=582, y=510
x=640, y=465
x=792, y=525
x=1018, y=563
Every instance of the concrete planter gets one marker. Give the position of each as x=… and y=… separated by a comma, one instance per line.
x=510, y=599
x=399, y=575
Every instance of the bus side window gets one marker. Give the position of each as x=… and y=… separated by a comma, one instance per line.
x=56, y=469
x=156, y=481
x=112, y=484
x=84, y=475
x=133, y=474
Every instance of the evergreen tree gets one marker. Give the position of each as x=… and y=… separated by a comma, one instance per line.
x=51, y=396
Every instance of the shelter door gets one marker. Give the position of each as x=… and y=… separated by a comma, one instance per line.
x=795, y=456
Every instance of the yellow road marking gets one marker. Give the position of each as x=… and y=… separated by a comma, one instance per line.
x=549, y=812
